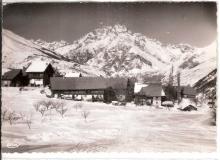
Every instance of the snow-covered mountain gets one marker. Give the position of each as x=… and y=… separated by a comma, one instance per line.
x=116, y=51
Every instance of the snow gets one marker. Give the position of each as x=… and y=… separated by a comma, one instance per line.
x=37, y=66
x=65, y=49
x=108, y=128
x=191, y=76
x=139, y=86
x=70, y=74
x=185, y=102
x=162, y=93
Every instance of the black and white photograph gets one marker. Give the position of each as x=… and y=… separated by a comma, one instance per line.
x=131, y=77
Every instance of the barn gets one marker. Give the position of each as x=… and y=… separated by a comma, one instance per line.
x=150, y=94
x=98, y=88
x=14, y=78
x=39, y=73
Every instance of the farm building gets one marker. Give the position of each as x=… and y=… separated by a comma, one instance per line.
x=150, y=94
x=39, y=73
x=97, y=88
x=14, y=78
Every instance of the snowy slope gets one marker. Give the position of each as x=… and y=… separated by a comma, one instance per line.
x=207, y=84
x=16, y=50
x=203, y=62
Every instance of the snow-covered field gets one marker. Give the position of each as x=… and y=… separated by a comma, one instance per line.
x=107, y=128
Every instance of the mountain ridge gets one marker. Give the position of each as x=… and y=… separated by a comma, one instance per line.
x=116, y=51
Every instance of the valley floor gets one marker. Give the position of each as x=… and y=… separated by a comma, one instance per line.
x=108, y=128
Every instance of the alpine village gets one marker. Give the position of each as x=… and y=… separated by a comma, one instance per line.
x=118, y=91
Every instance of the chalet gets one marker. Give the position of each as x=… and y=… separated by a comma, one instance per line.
x=39, y=73
x=14, y=78
x=149, y=94
x=108, y=89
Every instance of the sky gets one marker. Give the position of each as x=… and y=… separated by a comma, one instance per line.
x=193, y=23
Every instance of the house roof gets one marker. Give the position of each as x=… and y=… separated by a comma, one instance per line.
x=10, y=75
x=83, y=83
x=188, y=90
x=139, y=86
x=152, y=90
x=73, y=74
x=37, y=66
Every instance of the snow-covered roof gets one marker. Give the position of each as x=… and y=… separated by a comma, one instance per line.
x=37, y=66
x=139, y=86
x=71, y=74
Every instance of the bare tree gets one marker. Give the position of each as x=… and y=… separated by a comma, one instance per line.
x=49, y=104
x=61, y=109
x=4, y=114
x=85, y=115
x=12, y=117
x=78, y=105
x=28, y=120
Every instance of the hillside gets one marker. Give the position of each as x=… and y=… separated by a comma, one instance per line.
x=207, y=84
x=18, y=52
